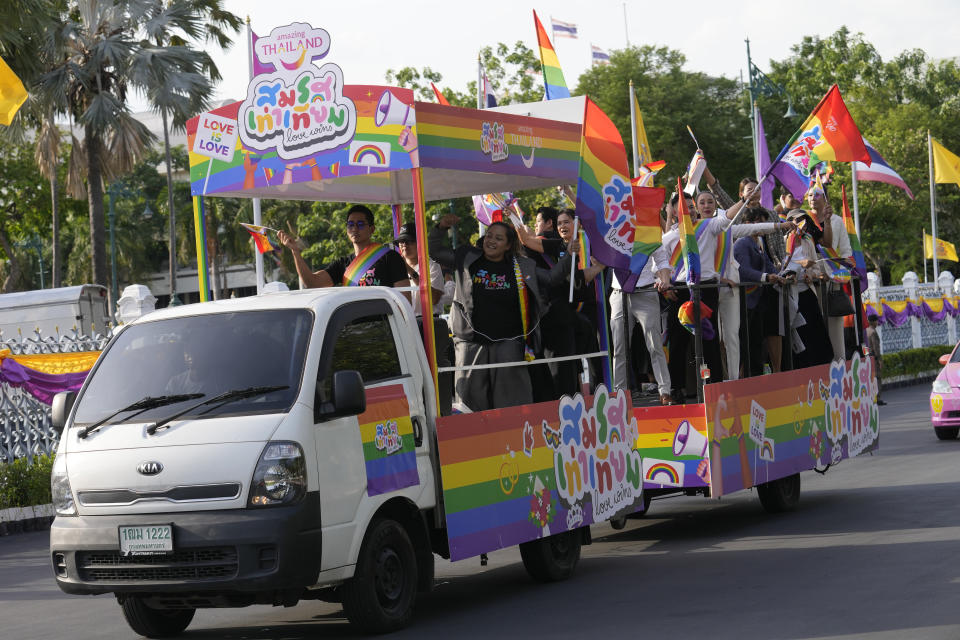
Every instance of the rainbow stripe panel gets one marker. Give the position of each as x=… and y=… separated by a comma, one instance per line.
x=386, y=433
x=493, y=142
x=672, y=442
x=500, y=471
x=769, y=427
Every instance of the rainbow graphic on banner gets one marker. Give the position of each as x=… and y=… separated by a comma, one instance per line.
x=386, y=434
x=363, y=262
x=555, y=85
x=372, y=151
x=662, y=473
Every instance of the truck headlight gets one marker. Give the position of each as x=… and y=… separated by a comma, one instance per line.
x=280, y=476
x=60, y=488
x=941, y=386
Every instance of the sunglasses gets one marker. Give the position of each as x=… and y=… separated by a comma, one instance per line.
x=359, y=224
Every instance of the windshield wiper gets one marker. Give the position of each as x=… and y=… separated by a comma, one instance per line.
x=144, y=404
x=222, y=399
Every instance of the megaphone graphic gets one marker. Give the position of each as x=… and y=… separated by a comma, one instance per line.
x=391, y=111
x=689, y=442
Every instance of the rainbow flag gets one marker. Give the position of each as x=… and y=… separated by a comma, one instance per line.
x=860, y=265
x=442, y=99
x=604, y=194
x=829, y=133
x=386, y=433
x=583, y=260
x=647, y=236
x=260, y=238
x=556, y=86
x=688, y=239
x=363, y=262
x=836, y=267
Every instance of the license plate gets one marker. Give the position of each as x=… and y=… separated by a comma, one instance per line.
x=142, y=540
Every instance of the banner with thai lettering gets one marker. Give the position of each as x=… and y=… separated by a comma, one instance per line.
x=522, y=473
x=769, y=427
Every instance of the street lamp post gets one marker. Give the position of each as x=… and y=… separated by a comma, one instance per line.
x=760, y=84
x=114, y=289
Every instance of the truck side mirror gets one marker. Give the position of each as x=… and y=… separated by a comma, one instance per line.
x=349, y=396
x=60, y=409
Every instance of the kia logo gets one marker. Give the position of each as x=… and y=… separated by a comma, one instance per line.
x=150, y=468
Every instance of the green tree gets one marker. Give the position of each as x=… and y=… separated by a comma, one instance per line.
x=894, y=103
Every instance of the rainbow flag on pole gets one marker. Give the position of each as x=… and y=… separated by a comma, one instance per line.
x=604, y=194
x=556, y=86
x=688, y=240
x=260, y=238
x=860, y=265
x=829, y=133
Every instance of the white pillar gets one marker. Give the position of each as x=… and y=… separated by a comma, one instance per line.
x=910, y=282
x=135, y=302
x=946, y=282
x=872, y=294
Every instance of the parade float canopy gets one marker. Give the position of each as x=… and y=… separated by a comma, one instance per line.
x=304, y=139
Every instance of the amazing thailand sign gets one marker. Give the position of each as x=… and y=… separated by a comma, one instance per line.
x=300, y=108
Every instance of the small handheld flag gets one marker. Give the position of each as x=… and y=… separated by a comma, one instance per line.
x=694, y=172
x=860, y=265
x=442, y=99
x=688, y=241
x=260, y=239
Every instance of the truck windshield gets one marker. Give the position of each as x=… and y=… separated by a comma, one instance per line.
x=205, y=354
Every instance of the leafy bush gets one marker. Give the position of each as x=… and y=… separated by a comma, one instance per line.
x=913, y=361
x=23, y=484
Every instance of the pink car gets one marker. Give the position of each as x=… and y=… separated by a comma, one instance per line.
x=945, y=397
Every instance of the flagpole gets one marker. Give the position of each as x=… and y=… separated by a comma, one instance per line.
x=856, y=202
x=633, y=132
x=479, y=83
x=626, y=32
x=923, y=245
x=257, y=213
x=933, y=209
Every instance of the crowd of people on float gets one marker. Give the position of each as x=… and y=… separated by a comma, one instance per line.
x=763, y=290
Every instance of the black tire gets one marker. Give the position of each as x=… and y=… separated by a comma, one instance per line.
x=618, y=523
x=779, y=496
x=946, y=433
x=380, y=596
x=155, y=623
x=553, y=558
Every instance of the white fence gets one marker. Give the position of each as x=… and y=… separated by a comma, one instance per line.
x=918, y=332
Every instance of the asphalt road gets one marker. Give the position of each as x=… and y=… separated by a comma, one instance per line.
x=873, y=552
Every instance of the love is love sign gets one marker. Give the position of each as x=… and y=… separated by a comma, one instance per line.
x=216, y=137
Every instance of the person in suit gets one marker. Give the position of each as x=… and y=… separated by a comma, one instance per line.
x=763, y=299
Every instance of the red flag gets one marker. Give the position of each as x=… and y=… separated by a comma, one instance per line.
x=440, y=97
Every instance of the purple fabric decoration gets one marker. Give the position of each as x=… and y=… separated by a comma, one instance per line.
x=42, y=386
x=763, y=157
x=898, y=319
x=930, y=315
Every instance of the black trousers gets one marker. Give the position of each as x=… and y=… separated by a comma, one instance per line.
x=558, y=332
x=680, y=339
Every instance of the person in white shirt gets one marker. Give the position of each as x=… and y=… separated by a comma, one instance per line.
x=836, y=237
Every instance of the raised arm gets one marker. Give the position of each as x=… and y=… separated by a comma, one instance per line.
x=312, y=279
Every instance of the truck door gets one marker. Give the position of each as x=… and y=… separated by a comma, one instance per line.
x=376, y=452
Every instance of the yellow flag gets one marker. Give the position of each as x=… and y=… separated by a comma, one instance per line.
x=642, y=144
x=945, y=250
x=946, y=165
x=12, y=94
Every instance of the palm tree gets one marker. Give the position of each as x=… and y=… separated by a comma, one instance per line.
x=176, y=25
x=109, y=49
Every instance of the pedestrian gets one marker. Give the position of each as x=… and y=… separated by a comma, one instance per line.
x=873, y=342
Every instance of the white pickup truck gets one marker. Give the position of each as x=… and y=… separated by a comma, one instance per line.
x=269, y=450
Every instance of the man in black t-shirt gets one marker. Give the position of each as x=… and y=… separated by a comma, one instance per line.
x=371, y=264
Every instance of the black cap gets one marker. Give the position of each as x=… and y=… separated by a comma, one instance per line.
x=408, y=233
x=872, y=316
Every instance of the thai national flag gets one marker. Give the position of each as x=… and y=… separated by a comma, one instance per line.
x=599, y=55
x=879, y=170
x=563, y=29
x=489, y=100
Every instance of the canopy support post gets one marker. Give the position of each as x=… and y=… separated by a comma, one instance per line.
x=426, y=293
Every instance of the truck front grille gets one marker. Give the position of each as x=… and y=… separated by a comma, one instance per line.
x=212, y=563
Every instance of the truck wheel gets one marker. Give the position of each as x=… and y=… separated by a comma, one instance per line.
x=380, y=596
x=553, y=558
x=154, y=623
x=778, y=496
x=947, y=433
